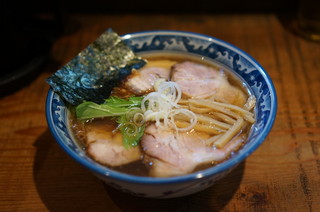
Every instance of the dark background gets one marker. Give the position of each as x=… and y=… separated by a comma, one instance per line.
x=30, y=27
x=147, y=6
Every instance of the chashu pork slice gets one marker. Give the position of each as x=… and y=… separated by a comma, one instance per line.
x=106, y=147
x=173, y=154
x=200, y=81
x=142, y=81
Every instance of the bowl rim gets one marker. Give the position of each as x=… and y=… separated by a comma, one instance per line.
x=226, y=165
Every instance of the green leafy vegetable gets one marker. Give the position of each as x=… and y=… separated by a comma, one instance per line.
x=117, y=108
x=113, y=106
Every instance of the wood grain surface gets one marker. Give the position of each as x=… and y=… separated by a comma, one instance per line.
x=282, y=175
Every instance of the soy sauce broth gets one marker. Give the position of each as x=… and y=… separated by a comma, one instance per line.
x=159, y=59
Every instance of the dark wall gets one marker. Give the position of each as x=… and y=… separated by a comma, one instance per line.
x=163, y=6
x=180, y=5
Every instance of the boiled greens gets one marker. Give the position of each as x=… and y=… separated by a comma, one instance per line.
x=118, y=109
x=112, y=107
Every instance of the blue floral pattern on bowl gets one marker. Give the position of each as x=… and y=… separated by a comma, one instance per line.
x=221, y=52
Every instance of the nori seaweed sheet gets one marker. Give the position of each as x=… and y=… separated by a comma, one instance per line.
x=95, y=71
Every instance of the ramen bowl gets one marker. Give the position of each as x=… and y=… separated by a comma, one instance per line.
x=243, y=65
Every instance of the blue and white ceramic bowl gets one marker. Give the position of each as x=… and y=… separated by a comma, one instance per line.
x=224, y=53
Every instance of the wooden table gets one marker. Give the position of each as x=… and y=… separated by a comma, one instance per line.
x=282, y=175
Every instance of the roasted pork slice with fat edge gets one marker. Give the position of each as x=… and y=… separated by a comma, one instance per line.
x=141, y=81
x=173, y=154
x=200, y=81
x=107, y=148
